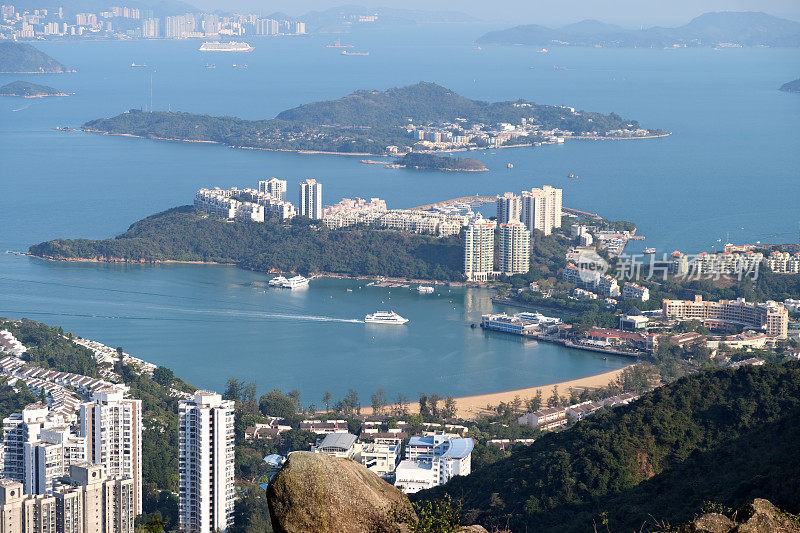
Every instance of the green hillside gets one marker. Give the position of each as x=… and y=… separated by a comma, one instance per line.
x=28, y=90
x=723, y=436
x=24, y=58
x=182, y=234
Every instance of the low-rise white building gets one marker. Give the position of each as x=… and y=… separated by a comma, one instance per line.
x=382, y=456
x=432, y=461
x=344, y=445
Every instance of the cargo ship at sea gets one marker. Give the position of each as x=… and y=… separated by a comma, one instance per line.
x=233, y=46
x=350, y=53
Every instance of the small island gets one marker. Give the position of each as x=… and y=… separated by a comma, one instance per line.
x=424, y=117
x=791, y=86
x=26, y=89
x=21, y=58
x=435, y=162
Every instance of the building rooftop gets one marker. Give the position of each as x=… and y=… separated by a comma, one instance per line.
x=343, y=441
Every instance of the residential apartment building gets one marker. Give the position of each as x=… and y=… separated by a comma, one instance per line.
x=321, y=427
x=432, y=461
x=479, y=249
x=515, y=248
x=19, y=430
x=49, y=458
x=206, y=463
x=771, y=317
x=87, y=502
x=541, y=209
x=509, y=207
x=726, y=263
x=545, y=419
x=632, y=291
x=112, y=426
x=783, y=262
x=273, y=187
x=382, y=456
x=311, y=199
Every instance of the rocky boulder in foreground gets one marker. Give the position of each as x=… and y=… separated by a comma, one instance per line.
x=323, y=494
x=758, y=517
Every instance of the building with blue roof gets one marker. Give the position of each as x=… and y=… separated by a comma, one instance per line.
x=433, y=460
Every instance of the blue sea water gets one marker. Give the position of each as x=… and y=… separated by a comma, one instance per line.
x=729, y=170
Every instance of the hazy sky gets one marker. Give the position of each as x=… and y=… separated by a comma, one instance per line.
x=625, y=12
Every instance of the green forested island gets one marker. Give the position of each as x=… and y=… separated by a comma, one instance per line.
x=720, y=437
x=26, y=89
x=367, y=122
x=21, y=58
x=791, y=86
x=183, y=234
x=434, y=162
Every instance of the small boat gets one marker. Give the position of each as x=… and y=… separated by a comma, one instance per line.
x=211, y=66
x=235, y=65
x=349, y=290
x=510, y=165
x=542, y=51
x=277, y=282
x=295, y=282
x=338, y=44
x=385, y=317
x=649, y=251
x=473, y=325
x=423, y=289
x=572, y=176
x=135, y=65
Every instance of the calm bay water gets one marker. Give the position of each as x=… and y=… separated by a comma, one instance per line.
x=730, y=167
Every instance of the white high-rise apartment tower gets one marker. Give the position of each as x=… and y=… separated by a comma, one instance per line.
x=274, y=187
x=541, y=209
x=479, y=249
x=311, y=199
x=112, y=425
x=206, y=469
x=509, y=207
x=515, y=248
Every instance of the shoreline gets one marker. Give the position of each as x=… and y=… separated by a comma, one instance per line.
x=366, y=154
x=470, y=407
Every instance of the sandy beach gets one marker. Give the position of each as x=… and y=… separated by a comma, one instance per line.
x=470, y=407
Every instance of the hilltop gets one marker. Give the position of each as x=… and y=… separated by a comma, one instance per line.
x=28, y=90
x=368, y=121
x=21, y=58
x=791, y=86
x=723, y=436
x=709, y=29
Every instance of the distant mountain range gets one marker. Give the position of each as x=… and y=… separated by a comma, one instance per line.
x=709, y=29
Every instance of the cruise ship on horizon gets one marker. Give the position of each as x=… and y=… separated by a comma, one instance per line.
x=232, y=46
x=385, y=317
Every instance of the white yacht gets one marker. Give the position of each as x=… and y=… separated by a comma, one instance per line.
x=277, y=282
x=385, y=317
x=425, y=289
x=295, y=283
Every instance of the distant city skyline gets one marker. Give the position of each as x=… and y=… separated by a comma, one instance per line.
x=630, y=13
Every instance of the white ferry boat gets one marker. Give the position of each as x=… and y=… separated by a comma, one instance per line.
x=649, y=251
x=277, y=282
x=385, y=317
x=233, y=46
x=295, y=283
x=425, y=289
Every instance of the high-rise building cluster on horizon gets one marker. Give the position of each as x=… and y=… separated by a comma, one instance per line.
x=517, y=217
x=128, y=22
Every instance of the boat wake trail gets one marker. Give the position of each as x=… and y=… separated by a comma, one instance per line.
x=239, y=313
